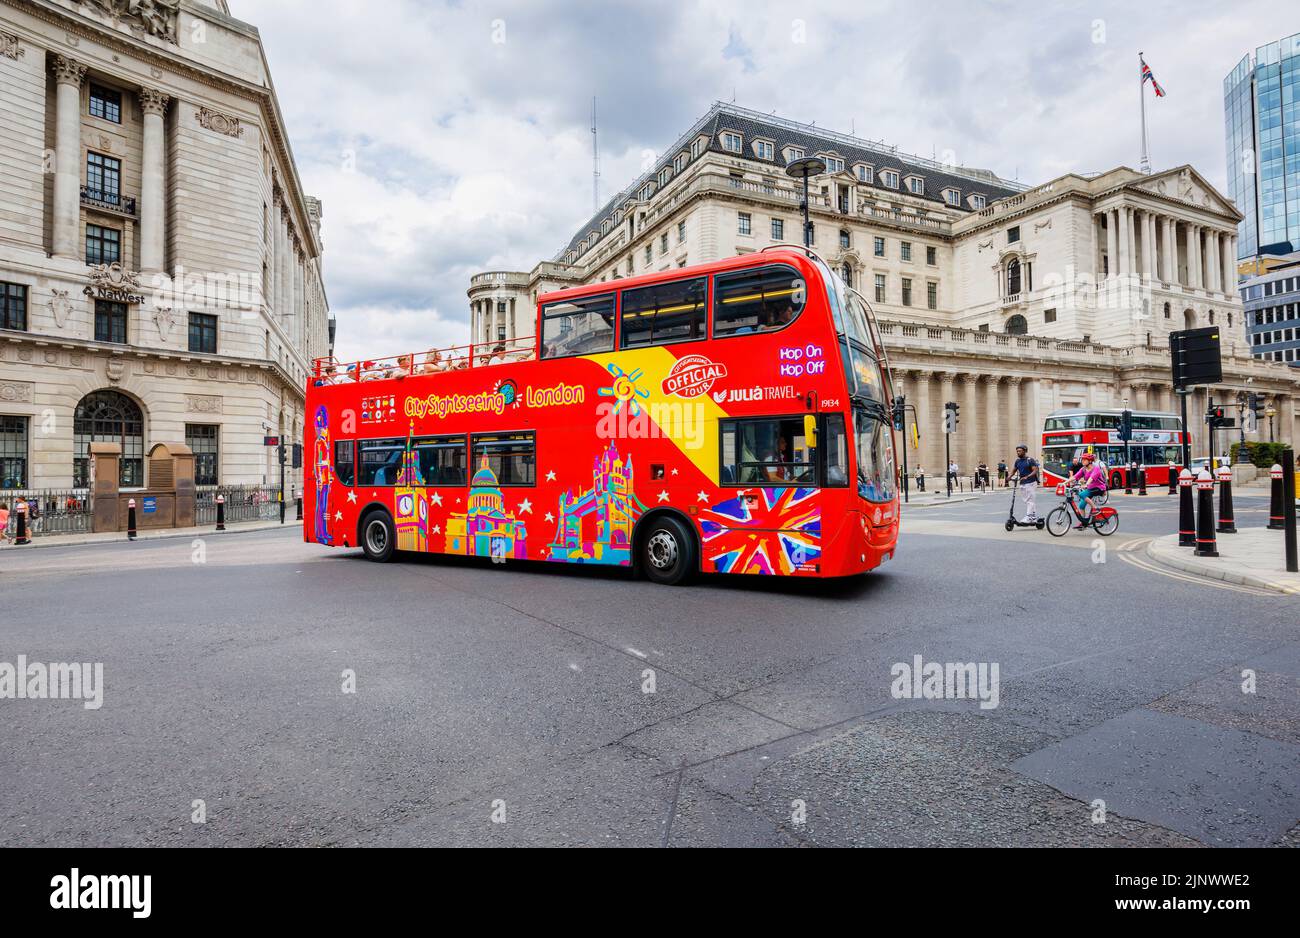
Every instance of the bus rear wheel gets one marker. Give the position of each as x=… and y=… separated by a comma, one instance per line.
x=378, y=538
x=667, y=552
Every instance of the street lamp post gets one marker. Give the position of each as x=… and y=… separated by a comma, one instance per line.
x=802, y=168
x=1270, y=413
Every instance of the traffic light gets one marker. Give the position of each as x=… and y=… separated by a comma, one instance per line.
x=1218, y=419
x=952, y=417
x=899, y=412
x=281, y=453
x=1254, y=410
x=1126, y=426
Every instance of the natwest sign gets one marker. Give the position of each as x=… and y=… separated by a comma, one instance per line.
x=693, y=376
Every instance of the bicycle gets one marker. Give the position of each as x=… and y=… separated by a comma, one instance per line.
x=1104, y=520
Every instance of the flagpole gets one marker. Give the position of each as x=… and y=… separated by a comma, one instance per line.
x=1142, y=99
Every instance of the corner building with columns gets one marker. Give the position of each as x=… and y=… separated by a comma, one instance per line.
x=1012, y=301
x=160, y=263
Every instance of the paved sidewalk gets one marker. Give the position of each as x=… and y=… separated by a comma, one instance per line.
x=932, y=499
x=79, y=540
x=1251, y=557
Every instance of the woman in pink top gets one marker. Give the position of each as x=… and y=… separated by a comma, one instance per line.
x=1092, y=482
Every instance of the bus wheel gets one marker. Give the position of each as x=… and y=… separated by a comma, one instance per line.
x=378, y=539
x=668, y=551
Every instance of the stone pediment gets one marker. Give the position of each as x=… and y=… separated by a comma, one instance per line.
x=1187, y=185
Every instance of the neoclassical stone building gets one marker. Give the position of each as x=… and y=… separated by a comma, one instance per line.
x=1012, y=301
x=160, y=273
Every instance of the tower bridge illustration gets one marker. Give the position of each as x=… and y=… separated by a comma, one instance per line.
x=596, y=525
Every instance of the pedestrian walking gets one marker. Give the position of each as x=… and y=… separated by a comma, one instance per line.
x=1002, y=473
x=4, y=522
x=1025, y=473
x=982, y=474
x=920, y=479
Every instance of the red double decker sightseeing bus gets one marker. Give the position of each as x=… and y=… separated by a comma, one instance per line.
x=731, y=418
x=1157, y=442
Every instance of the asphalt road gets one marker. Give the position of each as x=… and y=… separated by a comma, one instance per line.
x=507, y=704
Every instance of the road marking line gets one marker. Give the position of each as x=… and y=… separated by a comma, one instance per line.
x=1156, y=568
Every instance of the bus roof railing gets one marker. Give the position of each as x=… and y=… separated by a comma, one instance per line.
x=330, y=370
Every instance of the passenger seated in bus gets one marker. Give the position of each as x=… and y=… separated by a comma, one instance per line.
x=782, y=318
x=433, y=363
x=401, y=369
x=776, y=470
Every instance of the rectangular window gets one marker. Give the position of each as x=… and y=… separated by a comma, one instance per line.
x=13, y=452
x=905, y=250
x=834, y=164
x=106, y=104
x=916, y=185
x=865, y=174
x=13, y=306
x=203, y=333
x=952, y=196
x=846, y=240
x=764, y=150
x=889, y=179
x=664, y=313
x=778, y=229
x=932, y=256
x=201, y=438
x=103, y=245
x=977, y=202
x=381, y=461
x=512, y=457
x=879, y=247
x=744, y=222
x=663, y=243
x=731, y=142
x=1049, y=315
x=1013, y=234
x=345, y=461
x=103, y=178
x=649, y=255
x=907, y=292
x=836, y=452
x=766, y=452
x=932, y=295
x=880, y=288
x=579, y=327
x=442, y=460
x=756, y=300
x=681, y=232
x=793, y=153
x=697, y=148
x=110, y=322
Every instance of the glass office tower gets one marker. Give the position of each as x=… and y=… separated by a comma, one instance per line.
x=1261, y=118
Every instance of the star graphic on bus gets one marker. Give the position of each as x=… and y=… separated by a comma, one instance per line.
x=624, y=390
x=663, y=497
x=550, y=518
x=550, y=476
x=525, y=507
x=352, y=498
x=702, y=497
x=435, y=499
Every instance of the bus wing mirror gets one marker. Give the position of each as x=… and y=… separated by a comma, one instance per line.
x=810, y=430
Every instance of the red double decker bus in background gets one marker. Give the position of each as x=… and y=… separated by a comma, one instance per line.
x=1157, y=442
x=731, y=417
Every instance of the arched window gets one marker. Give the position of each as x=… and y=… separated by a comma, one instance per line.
x=1017, y=325
x=1169, y=313
x=1189, y=319
x=108, y=417
x=1013, y=277
x=846, y=274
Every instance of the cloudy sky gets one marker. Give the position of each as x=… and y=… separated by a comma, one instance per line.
x=447, y=138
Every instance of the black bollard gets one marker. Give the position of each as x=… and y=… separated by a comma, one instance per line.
x=1142, y=481
x=1128, y=478
x=1205, y=540
x=221, y=512
x=130, y=520
x=1186, y=510
x=1227, y=522
x=1288, y=519
x=300, y=506
x=1276, y=520
x=1173, y=479
x=21, y=538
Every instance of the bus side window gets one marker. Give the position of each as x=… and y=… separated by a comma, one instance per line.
x=581, y=326
x=766, y=451
x=836, y=447
x=345, y=465
x=664, y=313
x=380, y=461
x=761, y=300
x=510, y=457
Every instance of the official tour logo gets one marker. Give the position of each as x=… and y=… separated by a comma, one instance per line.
x=693, y=376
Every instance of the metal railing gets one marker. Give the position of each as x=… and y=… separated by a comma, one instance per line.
x=436, y=361
x=50, y=511
x=106, y=199
x=243, y=503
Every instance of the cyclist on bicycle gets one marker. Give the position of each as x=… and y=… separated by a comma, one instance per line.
x=1092, y=483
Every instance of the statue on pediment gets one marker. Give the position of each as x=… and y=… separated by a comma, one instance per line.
x=155, y=17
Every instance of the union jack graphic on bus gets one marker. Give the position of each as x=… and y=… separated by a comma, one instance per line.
x=764, y=531
x=1149, y=76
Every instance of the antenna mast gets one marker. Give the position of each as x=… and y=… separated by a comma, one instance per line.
x=595, y=162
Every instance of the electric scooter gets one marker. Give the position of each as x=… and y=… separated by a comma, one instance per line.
x=1012, y=523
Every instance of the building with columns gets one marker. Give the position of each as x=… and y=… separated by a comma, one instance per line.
x=160, y=264
x=1012, y=301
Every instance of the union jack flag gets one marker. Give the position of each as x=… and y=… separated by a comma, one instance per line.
x=765, y=531
x=1149, y=76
